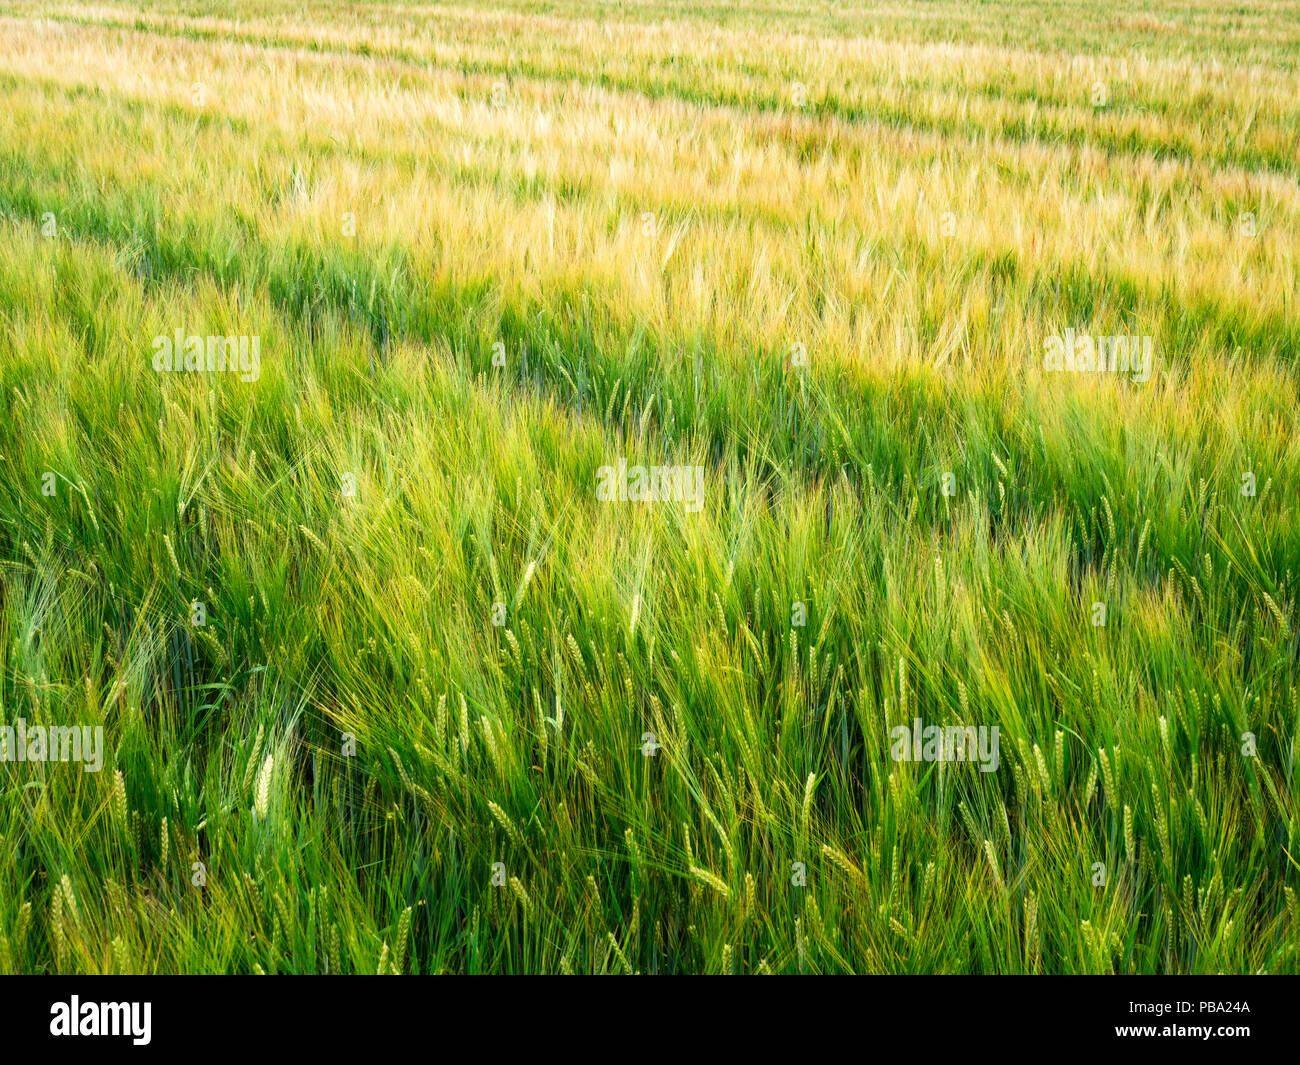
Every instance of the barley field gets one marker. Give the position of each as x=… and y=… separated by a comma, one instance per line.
x=387, y=679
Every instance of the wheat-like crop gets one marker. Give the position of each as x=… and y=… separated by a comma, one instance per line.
x=865, y=269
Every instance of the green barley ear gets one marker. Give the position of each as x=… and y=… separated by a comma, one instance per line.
x=992, y=857
x=163, y=845
x=805, y=807
x=313, y=539
x=70, y=901
x=902, y=688
x=927, y=882
x=842, y=860
x=171, y=553
x=1032, y=947
x=490, y=740
x=407, y=782
x=704, y=876
x=624, y=964
x=403, y=933
x=287, y=921
x=1112, y=800
x=517, y=886
x=815, y=917
x=119, y=797
x=262, y=800
x=629, y=837
x=56, y=930
x=336, y=964
x=1162, y=821
x=896, y=793
x=968, y=820
x=503, y=819
x=1278, y=616
x=1043, y=776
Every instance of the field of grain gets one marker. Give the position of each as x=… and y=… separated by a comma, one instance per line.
x=386, y=684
